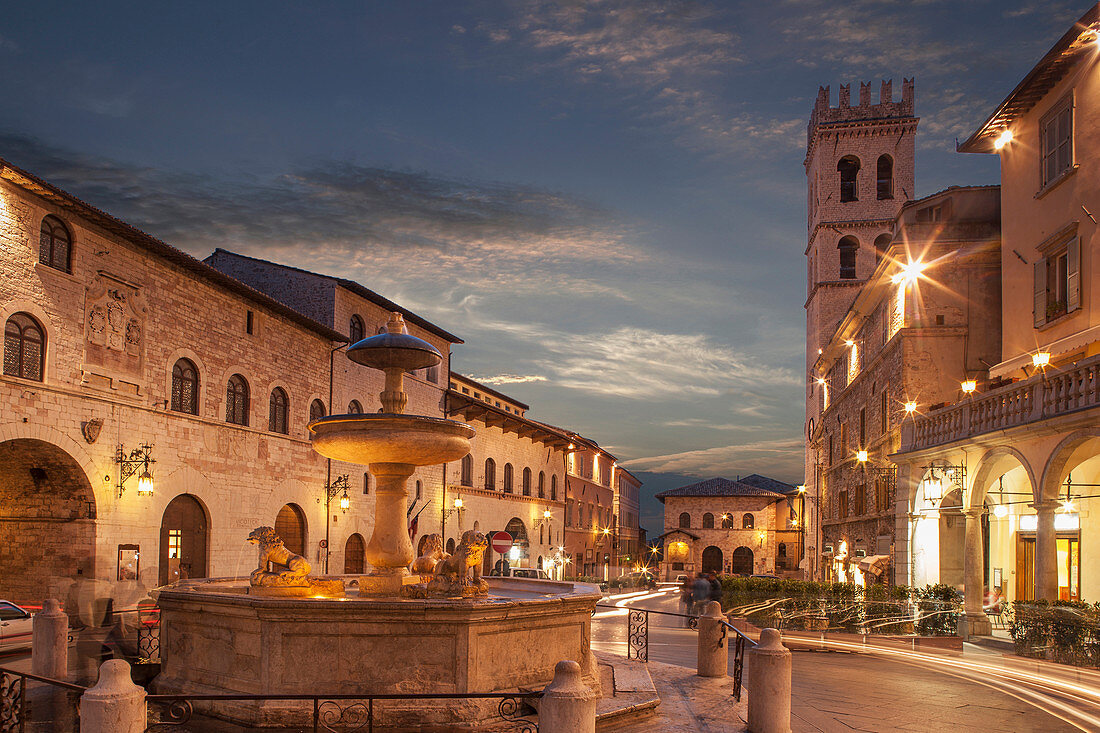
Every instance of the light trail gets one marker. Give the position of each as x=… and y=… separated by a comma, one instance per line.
x=627, y=598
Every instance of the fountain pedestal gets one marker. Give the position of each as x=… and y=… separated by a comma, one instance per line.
x=389, y=550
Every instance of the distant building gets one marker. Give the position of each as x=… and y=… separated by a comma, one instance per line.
x=745, y=527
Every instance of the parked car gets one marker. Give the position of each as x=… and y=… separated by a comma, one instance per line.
x=15, y=627
x=534, y=573
x=681, y=579
x=640, y=579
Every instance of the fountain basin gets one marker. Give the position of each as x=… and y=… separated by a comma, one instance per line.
x=414, y=440
x=215, y=639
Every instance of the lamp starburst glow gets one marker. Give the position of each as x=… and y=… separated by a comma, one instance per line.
x=458, y=503
x=910, y=406
x=861, y=456
x=969, y=385
x=909, y=272
x=547, y=514
x=1068, y=506
x=1000, y=511
x=1040, y=359
x=1003, y=139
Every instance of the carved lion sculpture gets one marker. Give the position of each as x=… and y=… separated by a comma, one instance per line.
x=462, y=570
x=290, y=569
x=430, y=551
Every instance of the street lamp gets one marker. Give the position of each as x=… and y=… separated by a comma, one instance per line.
x=128, y=465
x=337, y=487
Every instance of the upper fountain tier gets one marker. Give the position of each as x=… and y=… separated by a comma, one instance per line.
x=391, y=436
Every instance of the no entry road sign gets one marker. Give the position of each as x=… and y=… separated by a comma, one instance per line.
x=502, y=542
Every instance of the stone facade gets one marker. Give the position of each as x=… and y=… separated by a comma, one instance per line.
x=903, y=341
x=591, y=527
x=849, y=219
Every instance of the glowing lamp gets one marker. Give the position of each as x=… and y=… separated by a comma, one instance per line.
x=910, y=406
x=547, y=514
x=1067, y=506
x=909, y=272
x=1004, y=139
x=802, y=488
x=1000, y=511
x=1040, y=359
x=849, y=343
x=458, y=503
x=969, y=385
x=345, y=501
x=861, y=456
x=145, y=484
x=821, y=380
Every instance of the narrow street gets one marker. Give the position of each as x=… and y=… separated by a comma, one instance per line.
x=850, y=687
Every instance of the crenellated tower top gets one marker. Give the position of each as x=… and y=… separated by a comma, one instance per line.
x=886, y=107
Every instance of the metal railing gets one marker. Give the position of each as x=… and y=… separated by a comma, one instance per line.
x=350, y=712
x=21, y=711
x=637, y=638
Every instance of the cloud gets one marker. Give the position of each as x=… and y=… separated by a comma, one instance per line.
x=777, y=457
x=510, y=379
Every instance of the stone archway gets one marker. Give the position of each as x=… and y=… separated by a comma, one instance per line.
x=742, y=563
x=952, y=539
x=47, y=520
x=354, y=552
x=184, y=534
x=712, y=560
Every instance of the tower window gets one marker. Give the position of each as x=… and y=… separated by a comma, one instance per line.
x=848, y=168
x=848, y=247
x=885, y=177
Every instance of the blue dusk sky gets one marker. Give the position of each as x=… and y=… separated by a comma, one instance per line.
x=605, y=199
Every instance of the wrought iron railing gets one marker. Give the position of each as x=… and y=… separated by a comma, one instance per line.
x=347, y=713
x=637, y=638
x=21, y=710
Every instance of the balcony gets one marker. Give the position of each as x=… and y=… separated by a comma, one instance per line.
x=1042, y=397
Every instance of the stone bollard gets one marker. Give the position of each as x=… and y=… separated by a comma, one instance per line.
x=713, y=658
x=50, y=641
x=567, y=705
x=769, y=683
x=115, y=704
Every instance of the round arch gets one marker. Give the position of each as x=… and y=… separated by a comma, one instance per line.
x=712, y=560
x=994, y=463
x=742, y=562
x=290, y=525
x=1075, y=448
x=50, y=508
x=354, y=554
x=184, y=539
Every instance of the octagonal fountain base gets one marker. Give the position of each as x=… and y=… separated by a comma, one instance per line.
x=217, y=639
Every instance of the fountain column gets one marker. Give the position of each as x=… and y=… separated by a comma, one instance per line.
x=389, y=549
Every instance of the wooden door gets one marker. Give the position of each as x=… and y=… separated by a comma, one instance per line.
x=354, y=551
x=290, y=525
x=1025, y=569
x=183, y=537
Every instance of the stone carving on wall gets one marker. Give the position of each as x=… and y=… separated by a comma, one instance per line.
x=90, y=429
x=114, y=329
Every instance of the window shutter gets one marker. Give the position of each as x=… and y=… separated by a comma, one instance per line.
x=1040, y=292
x=1073, y=275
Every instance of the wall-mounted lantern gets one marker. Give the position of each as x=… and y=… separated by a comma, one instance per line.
x=139, y=459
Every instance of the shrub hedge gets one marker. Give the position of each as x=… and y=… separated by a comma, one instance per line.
x=1063, y=631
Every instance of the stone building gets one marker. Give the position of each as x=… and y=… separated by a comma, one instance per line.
x=859, y=171
x=591, y=526
x=1017, y=461
x=512, y=480
x=114, y=341
x=918, y=326
x=630, y=541
x=745, y=527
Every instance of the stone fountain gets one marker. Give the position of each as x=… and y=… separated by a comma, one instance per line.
x=284, y=632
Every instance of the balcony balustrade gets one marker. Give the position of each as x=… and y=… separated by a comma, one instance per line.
x=1043, y=396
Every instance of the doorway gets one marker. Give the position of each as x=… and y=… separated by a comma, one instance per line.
x=742, y=561
x=183, y=539
x=290, y=525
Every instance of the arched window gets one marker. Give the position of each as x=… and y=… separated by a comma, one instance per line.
x=748, y=521
x=467, y=470
x=278, y=411
x=185, y=387
x=554, y=488
x=354, y=553
x=55, y=244
x=316, y=410
x=490, y=475
x=508, y=478
x=708, y=521
x=882, y=243
x=451, y=546
x=848, y=247
x=727, y=521
x=236, y=400
x=354, y=408
x=848, y=168
x=542, y=485
x=782, y=551
x=355, y=329
x=885, y=177
x=527, y=482
x=685, y=520
x=24, y=347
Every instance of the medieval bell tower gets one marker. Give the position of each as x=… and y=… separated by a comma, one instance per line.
x=859, y=173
